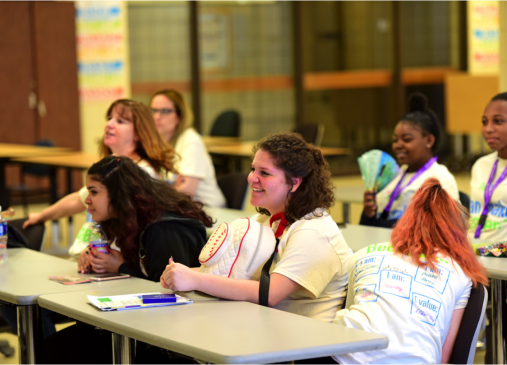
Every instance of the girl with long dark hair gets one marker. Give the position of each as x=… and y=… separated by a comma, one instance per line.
x=129, y=204
x=150, y=222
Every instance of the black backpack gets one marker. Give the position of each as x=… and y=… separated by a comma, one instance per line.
x=15, y=238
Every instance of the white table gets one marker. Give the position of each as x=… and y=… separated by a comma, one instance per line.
x=358, y=237
x=347, y=195
x=216, y=331
x=25, y=277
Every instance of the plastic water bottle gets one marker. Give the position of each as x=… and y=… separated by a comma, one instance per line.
x=98, y=239
x=3, y=239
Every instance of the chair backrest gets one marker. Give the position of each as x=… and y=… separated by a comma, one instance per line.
x=226, y=124
x=234, y=187
x=34, y=234
x=468, y=333
x=39, y=170
x=312, y=133
x=464, y=199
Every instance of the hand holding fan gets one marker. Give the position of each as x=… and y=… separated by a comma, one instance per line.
x=377, y=169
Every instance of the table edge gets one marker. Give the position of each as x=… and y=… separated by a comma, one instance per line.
x=334, y=349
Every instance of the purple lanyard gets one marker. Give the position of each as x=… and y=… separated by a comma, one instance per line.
x=399, y=189
x=488, y=193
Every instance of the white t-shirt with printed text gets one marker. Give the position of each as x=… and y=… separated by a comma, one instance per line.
x=400, y=205
x=495, y=228
x=411, y=305
x=193, y=160
x=313, y=253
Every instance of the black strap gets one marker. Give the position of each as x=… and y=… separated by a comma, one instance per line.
x=265, y=278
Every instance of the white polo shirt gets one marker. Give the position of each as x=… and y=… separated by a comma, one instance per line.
x=313, y=253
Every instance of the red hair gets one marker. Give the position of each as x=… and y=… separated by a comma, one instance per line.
x=433, y=223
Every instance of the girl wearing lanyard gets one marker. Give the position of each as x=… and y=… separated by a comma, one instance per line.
x=415, y=140
x=292, y=191
x=488, y=200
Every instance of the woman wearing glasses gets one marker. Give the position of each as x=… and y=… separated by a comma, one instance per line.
x=174, y=119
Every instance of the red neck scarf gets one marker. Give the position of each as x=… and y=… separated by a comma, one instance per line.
x=283, y=223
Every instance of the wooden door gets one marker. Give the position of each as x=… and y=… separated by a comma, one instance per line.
x=56, y=62
x=17, y=120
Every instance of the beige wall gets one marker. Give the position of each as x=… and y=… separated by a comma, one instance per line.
x=503, y=47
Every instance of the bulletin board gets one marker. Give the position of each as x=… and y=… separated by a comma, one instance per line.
x=483, y=26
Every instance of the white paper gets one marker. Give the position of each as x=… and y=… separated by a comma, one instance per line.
x=130, y=301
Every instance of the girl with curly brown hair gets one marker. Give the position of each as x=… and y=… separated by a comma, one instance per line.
x=292, y=191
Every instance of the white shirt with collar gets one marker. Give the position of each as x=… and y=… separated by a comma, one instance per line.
x=313, y=253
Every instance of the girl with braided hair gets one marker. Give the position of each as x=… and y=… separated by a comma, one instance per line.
x=292, y=192
x=416, y=139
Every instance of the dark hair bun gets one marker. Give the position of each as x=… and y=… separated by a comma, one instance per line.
x=417, y=102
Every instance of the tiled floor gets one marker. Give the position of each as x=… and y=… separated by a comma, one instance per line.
x=62, y=243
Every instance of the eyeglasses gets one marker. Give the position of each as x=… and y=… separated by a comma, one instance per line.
x=161, y=111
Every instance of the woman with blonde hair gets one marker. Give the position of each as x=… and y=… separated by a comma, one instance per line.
x=196, y=174
x=129, y=131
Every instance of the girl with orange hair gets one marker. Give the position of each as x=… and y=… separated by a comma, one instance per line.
x=415, y=288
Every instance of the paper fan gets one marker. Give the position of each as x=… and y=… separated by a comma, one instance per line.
x=377, y=169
